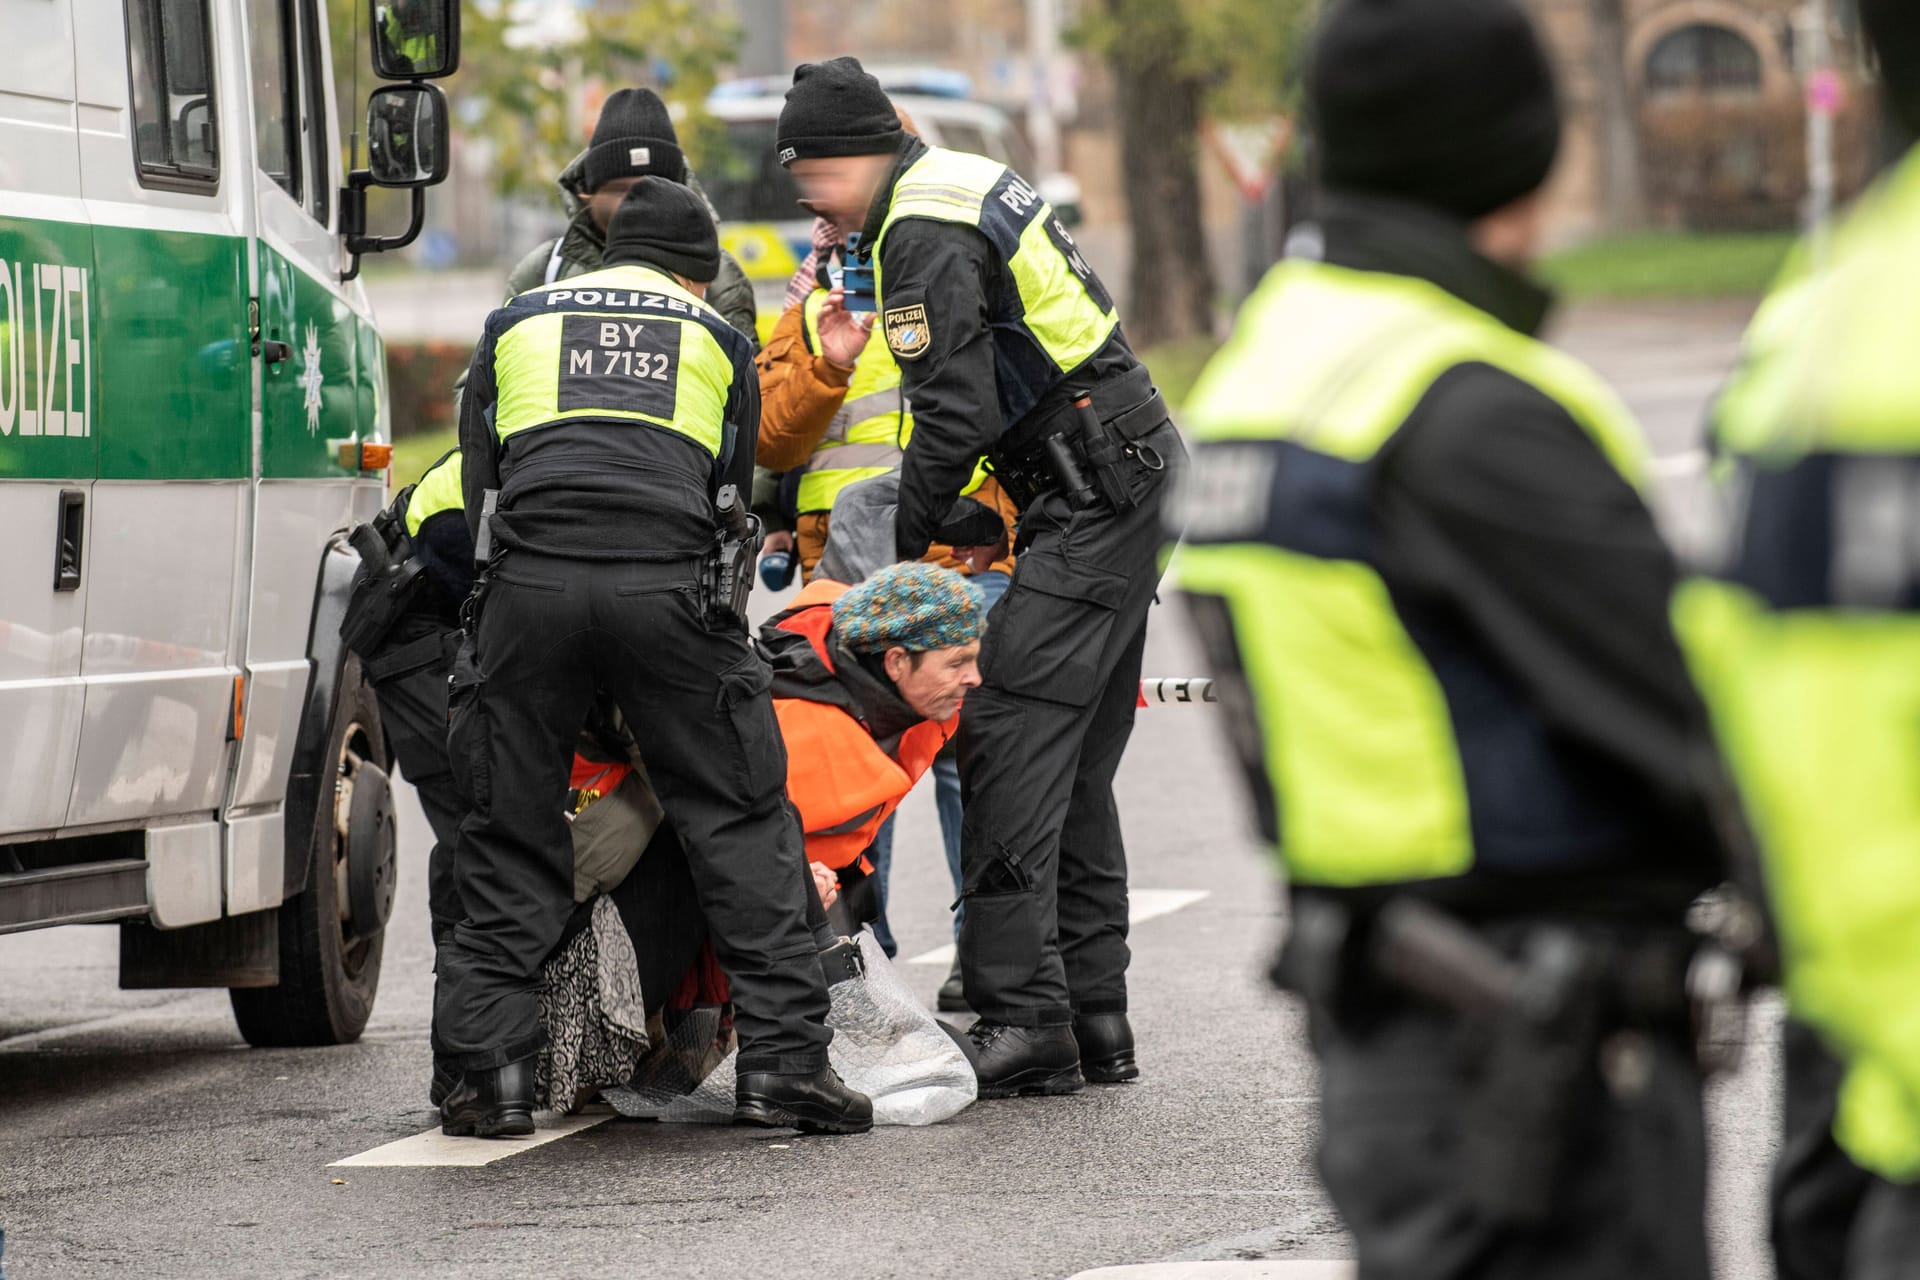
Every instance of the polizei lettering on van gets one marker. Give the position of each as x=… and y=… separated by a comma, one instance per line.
x=46, y=349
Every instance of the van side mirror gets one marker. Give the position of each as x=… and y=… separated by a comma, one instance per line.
x=406, y=148
x=415, y=39
x=406, y=136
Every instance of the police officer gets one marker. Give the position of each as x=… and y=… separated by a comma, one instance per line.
x=1809, y=628
x=403, y=620
x=1418, y=546
x=602, y=430
x=1009, y=346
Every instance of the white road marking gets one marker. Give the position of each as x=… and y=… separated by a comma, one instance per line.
x=1142, y=904
x=436, y=1149
x=1691, y=463
x=1260, y=1270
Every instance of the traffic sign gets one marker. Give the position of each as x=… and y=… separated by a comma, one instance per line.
x=1251, y=151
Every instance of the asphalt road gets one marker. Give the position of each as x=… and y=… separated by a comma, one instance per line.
x=137, y=1132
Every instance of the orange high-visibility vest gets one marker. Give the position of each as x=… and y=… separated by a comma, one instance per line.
x=839, y=779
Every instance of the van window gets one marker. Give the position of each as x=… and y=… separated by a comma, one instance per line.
x=170, y=69
x=270, y=55
x=314, y=125
x=956, y=135
x=746, y=181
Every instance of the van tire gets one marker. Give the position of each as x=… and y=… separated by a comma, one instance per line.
x=327, y=978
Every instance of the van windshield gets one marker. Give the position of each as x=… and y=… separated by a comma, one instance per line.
x=744, y=179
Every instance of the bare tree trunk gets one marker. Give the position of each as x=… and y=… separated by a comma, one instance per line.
x=1170, y=276
x=1623, y=192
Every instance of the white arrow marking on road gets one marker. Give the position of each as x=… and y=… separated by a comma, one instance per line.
x=434, y=1148
x=1142, y=904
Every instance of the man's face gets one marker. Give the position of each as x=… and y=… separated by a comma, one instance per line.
x=936, y=682
x=603, y=202
x=839, y=188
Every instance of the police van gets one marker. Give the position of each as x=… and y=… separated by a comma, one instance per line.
x=193, y=413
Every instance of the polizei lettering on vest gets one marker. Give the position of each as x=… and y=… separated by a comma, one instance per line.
x=1018, y=196
x=618, y=298
x=46, y=361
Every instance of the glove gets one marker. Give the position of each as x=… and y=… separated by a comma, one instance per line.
x=971, y=523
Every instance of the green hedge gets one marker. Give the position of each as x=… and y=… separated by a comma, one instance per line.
x=1671, y=265
x=420, y=377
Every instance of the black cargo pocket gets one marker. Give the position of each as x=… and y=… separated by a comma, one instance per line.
x=466, y=728
x=1050, y=631
x=759, y=760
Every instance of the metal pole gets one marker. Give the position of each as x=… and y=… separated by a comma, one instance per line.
x=1821, y=85
x=763, y=50
x=1043, y=47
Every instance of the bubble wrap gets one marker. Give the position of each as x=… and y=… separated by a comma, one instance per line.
x=884, y=1044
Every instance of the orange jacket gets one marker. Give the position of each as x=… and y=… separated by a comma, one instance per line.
x=838, y=777
x=800, y=391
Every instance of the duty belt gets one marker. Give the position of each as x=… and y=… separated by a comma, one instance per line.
x=1556, y=1006
x=1126, y=409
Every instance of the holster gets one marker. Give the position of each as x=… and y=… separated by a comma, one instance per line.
x=728, y=580
x=390, y=580
x=1543, y=1017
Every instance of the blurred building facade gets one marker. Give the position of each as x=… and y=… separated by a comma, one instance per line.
x=1692, y=114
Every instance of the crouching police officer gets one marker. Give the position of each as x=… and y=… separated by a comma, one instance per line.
x=1808, y=634
x=403, y=620
x=1417, y=545
x=1009, y=347
x=603, y=462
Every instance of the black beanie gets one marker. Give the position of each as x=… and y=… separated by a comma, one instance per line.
x=663, y=224
x=1893, y=26
x=836, y=109
x=1445, y=103
x=634, y=137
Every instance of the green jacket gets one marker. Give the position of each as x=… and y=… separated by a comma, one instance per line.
x=579, y=250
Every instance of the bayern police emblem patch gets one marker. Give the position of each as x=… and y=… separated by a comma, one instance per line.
x=907, y=334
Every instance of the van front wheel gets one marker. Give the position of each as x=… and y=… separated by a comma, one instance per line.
x=329, y=963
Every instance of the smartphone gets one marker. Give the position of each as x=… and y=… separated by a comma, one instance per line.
x=856, y=277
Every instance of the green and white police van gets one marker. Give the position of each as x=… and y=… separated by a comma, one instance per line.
x=193, y=413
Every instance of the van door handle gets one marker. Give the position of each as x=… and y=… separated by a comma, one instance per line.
x=69, y=534
x=276, y=351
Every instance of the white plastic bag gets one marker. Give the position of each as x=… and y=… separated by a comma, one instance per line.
x=884, y=1044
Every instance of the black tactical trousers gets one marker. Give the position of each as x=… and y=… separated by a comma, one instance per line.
x=1043, y=867
x=409, y=675
x=1398, y=1096
x=550, y=634
x=1831, y=1218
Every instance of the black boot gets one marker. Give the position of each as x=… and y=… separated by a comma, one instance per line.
x=490, y=1104
x=953, y=992
x=1106, y=1047
x=812, y=1103
x=842, y=962
x=1018, y=1060
x=443, y=1080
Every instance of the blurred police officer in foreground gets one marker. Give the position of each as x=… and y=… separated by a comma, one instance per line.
x=1009, y=347
x=607, y=438
x=1808, y=631
x=1418, y=543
